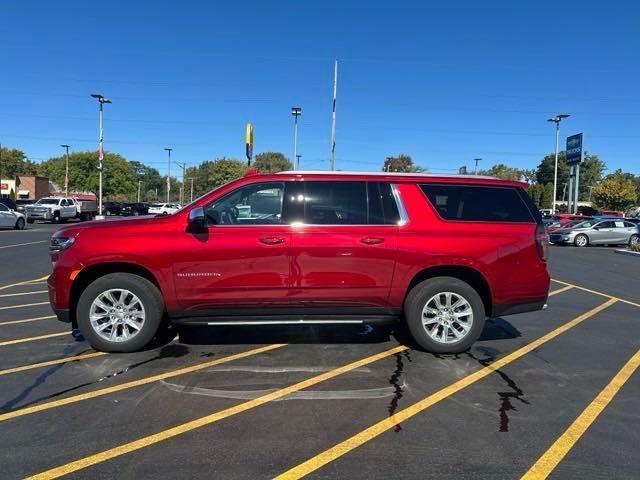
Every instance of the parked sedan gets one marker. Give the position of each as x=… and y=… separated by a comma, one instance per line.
x=164, y=208
x=11, y=218
x=134, y=209
x=598, y=232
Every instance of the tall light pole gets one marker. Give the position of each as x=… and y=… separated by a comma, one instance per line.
x=298, y=157
x=101, y=101
x=139, y=185
x=66, y=171
x=169, y=150
x=475, y=169
x=191, y=189
x=557, y=119
x=183, y=166
x=333, y=118
x=296, y=112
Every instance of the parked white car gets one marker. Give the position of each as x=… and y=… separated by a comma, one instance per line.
x=10, y=218
x=164, y=208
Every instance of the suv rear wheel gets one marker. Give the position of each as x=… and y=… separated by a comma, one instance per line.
x=120, y=312
x=444, y=315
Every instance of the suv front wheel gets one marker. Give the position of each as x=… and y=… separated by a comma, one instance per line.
x=444, y=315
x=120, y=312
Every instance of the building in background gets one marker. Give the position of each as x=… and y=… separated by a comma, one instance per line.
x=24, y=187
x=7, y=188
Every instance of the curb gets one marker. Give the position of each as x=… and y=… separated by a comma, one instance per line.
x=627, y=252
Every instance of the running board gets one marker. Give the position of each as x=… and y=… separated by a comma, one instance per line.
x=287, y=320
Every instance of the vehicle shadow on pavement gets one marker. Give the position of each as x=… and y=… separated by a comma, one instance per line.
x=497, y=328
x=240, y=334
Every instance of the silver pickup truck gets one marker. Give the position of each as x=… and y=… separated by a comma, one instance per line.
x=61, y=209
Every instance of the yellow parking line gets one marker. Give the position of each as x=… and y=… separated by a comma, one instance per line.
x=388, y=423
x=602, y=294
x=31, y=339
x=25, y=282
x=22, y=293
x=560, y=290
x=556, y=452
x=24, y=305
x=51, y=362
x=135, y=383
x=26, y=320
x=209, y=419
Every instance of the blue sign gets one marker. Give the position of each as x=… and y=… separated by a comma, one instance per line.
x=574, y=149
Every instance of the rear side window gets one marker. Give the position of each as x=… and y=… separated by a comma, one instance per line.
x=478, y=203
x=335, y=203
x=383, y=209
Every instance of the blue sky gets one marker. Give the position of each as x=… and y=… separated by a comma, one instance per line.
x=444, y=82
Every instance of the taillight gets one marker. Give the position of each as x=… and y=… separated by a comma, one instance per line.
x=542, y=241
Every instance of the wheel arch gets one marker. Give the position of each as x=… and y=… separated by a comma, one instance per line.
x=92, y=272
x=467, y=274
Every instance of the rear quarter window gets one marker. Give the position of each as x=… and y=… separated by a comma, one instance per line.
x=478, y=203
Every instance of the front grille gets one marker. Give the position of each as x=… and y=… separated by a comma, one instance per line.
x=555, y=237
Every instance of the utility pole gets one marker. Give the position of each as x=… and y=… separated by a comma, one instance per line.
x=156, y=194
x=183, y=166
x=169, y=150
x=557, y=119
x=333, y=117
x=296, y=112
x=66, y=171
x=101, y=101
x=475, y=169
x=0, y=169
x=191, y=189
x=139, y=185
x=298, y=157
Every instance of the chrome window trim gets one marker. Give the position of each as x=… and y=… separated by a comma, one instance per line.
x=404, y=217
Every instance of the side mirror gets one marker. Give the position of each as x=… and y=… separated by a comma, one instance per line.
x=196, y=218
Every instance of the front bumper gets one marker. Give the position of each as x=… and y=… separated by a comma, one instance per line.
x=559, y=238
x=39, y=215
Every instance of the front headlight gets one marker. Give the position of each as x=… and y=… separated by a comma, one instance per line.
x=61, y=243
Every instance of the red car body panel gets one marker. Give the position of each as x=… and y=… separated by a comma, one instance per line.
x=293, y=266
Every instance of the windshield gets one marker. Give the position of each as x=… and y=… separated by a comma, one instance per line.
x=47, y=201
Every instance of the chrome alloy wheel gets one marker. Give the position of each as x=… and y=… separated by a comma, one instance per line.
x=447, y=317
x=117, y=315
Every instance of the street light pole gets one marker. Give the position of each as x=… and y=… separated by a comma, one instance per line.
x=475, y=169
x=139, y=185
x=557, y=119
x=169, y=150
x=296, y=112
x=66, y=171
x=101, y=101
x=183, y=166
x=298, y=157
x=191, y=189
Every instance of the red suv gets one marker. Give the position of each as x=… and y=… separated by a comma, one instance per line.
x=440, y=252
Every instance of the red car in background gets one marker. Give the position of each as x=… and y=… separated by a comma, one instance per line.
x=439, y=252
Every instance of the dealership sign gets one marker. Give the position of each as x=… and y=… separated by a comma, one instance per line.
x=574, y=149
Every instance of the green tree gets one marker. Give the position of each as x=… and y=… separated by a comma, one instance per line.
x=401, y=163
x=503, y=172
x=536, y=192
x=615, y=192
x=591, y=172
x=14, y=162
x=213, y=173
x=271, y=162
x=151, y=180
x=546, y=199
x=545, y=172
x=119, y=181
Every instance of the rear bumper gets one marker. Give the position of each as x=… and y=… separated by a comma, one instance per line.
x=62, y=314
x=501, y=310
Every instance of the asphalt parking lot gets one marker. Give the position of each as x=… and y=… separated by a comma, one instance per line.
x=549, y=393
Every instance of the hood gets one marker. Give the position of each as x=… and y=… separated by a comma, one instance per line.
x=75, y=229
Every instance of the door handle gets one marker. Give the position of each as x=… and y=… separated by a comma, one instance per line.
x=372, y=240
x=272, y=240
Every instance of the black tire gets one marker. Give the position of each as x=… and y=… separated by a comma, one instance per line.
x=30, y=221
x=148, y=294
x=634, y=239
x=418, y=298
x=581, y=240
x=56, y=218
x=19, y=224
